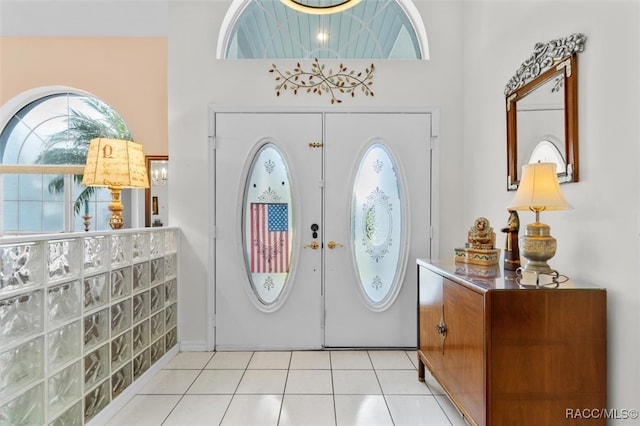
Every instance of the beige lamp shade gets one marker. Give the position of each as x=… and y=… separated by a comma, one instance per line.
x=115, y=163
x=539, y=189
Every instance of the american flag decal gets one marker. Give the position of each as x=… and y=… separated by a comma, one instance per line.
x=269, y=237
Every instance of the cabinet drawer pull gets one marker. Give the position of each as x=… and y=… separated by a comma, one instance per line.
x=442, y=329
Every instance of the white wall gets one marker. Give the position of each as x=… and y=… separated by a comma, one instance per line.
x=598, y=239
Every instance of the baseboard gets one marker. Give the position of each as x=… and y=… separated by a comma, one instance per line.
x=121, y=400
x=193, y=346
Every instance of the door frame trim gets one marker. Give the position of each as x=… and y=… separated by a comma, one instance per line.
x=213, y=109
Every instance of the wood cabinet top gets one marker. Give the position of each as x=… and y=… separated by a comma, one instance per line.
x=486, y=278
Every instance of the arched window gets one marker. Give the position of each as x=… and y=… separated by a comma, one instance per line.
x=372, y=29
x=54, y=129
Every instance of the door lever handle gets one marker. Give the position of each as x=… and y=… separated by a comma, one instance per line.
x=332, y=244
x=312, y=245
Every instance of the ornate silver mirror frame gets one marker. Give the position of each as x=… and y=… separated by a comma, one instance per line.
x=542, y=110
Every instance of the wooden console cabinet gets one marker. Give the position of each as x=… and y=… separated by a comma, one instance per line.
x=507, y=355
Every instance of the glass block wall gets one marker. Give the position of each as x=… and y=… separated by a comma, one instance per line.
x=82, y=316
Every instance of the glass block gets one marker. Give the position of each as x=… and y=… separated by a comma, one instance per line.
x=171, y=241
x=96, y=291
x=120, y=249
x=96, y=400
x=26, y=409
x=157, y=271
x=21, y=366
x=62, y=261
x=170, y=266
x=140, y=246
x=71, y=417
x=63, y=345
x=171, y=316
x=156, y=245
x=121, y=379
x=171, y=291
x=120, y=317
x=65, y=387
x=21, y=316
x=96, y=254
x=141, y=276
x=140, y=306
x=120, y=350
x=157, y=350
x=140, y=336
x=120, y=283
x=157, y=298
x=141, y=363
x=157, y=325
x=64, y=303
x=96, y=366
x=96, y=329
x=171, y=338
x=20, y=266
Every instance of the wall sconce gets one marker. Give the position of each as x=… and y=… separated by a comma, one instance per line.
x=159, y=174
x=539, y=190
x=115, y=164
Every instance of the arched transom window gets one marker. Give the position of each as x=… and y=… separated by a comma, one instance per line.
x=371, y=29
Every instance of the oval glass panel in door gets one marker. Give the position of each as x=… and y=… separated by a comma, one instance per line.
x=377, y=226
x=267, y=224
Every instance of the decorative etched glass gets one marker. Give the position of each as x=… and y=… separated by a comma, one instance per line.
x=171, y=316
x=156, y=244
x=96, y=291
x=140, y=306
x=21, y=366
x=120, y=283
x=64, y=302
x=96, y=366
x=21, y=316
x=140, y=249
x=64, y=387
x=121, y=379
x=71, y=417
x=120, y=317
x=170, y=266
x=157, y=298
x=26, y=409
x=377, y=225
x=141, y=276
x=171, y=291
x=140, y=336
x=120, y=249
x=96, y=400
x=157, y=271
x=268, y=223
x=141, y=363
x=63, y=344
x=96, y=254
x=20, y=266
x=157, y=350
x=62, y=261
x=171, y=338
x=171, y=241
x=157, y=325
x=96, y=329
x=120, y=350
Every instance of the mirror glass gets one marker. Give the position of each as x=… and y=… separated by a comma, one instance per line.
x=157, y=195
x=542, y=110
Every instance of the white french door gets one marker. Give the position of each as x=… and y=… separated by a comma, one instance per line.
x=318, y=218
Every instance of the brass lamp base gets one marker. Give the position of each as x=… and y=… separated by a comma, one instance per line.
x=116, y=221
x=537, y=246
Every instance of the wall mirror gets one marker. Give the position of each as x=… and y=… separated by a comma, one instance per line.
x=156, y=196
x=542, y=110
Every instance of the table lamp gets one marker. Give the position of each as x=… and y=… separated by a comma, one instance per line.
x=539, y=190
x=115, y=164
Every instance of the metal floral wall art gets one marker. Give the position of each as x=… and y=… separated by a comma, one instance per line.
x=317, y=80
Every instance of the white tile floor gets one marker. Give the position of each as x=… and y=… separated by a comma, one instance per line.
x=289, y=388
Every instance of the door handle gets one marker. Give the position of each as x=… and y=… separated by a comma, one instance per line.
x=312, y=245
x=332, y=244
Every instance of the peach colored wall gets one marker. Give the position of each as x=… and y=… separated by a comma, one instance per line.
x=128, y=73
